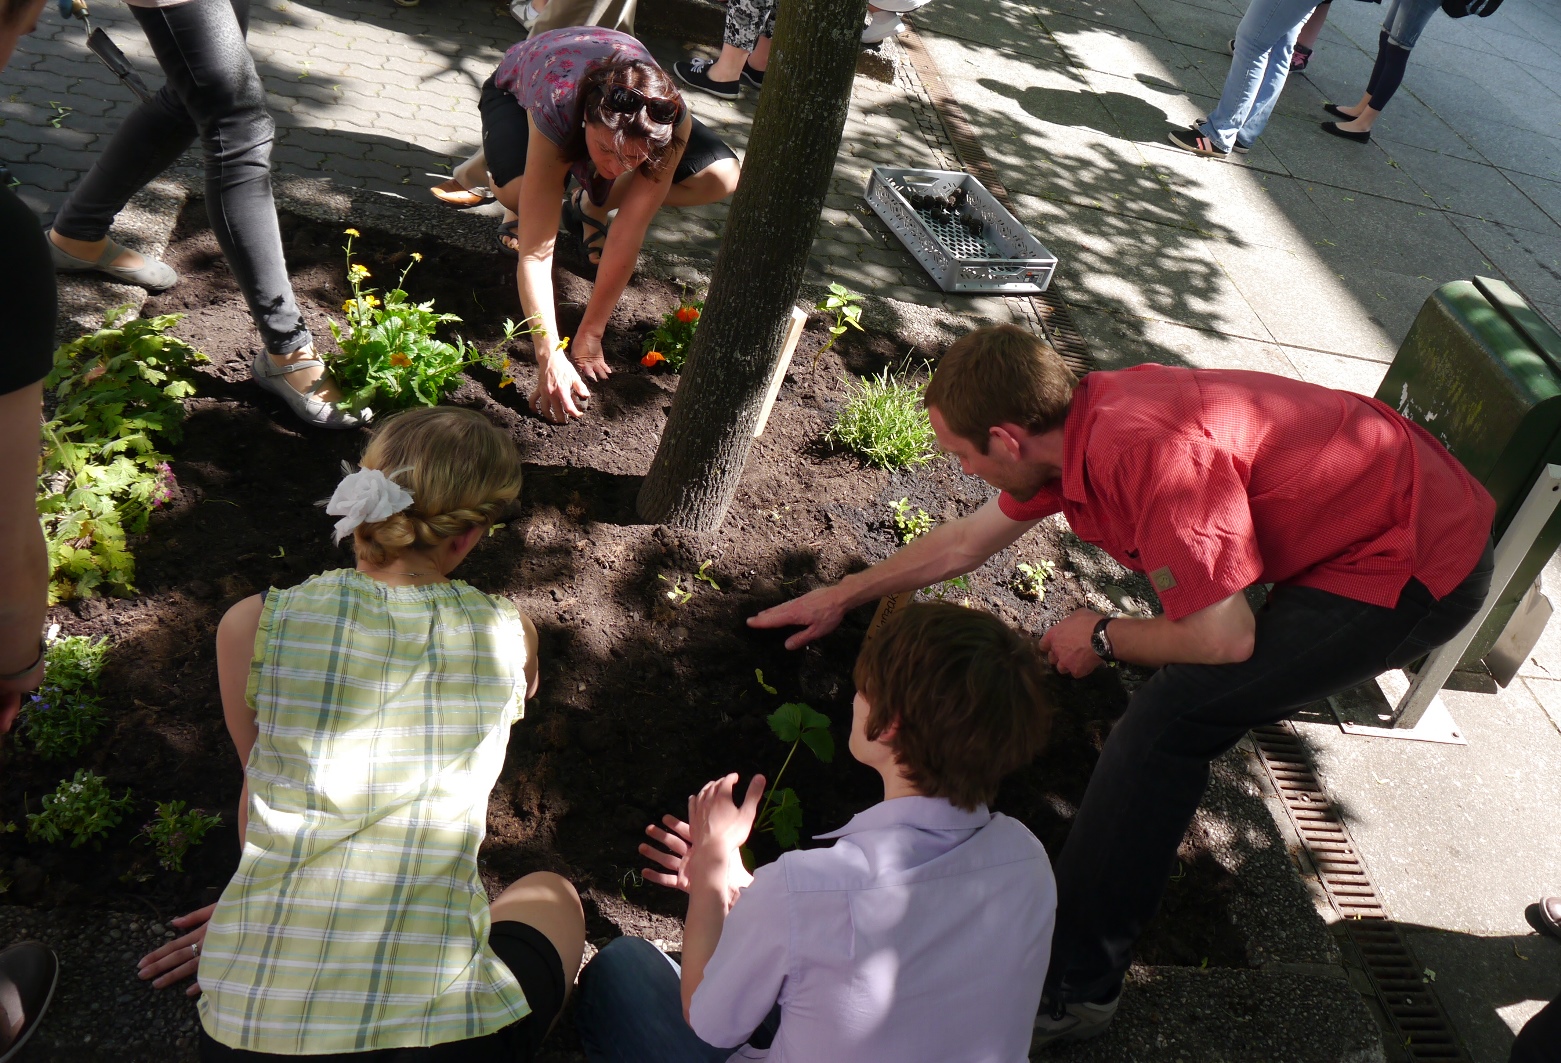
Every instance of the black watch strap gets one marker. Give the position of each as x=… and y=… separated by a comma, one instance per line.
x=1100, y=642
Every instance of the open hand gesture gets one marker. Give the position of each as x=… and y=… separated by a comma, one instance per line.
x=181, y=957
x=673, y=855
x=817, y=612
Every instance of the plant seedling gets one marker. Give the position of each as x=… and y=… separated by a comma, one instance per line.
x=884, y=422
x=758, y=673
x=82, y=808
x=64, y=715
x=908, y=523
x=1030, y=580
x=677, y=595
x=174, y=831
x=704, y=575
x=957, y=585
x=843, y=305
x=781, y=812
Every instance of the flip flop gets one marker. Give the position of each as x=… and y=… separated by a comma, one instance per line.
x=509, y=229
x=462, y=198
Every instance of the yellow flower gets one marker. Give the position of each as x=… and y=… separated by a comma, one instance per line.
x=400, y=360
x=506, y=375
x=416, y=256
x=370, y=300
x=352, y=232
x=563, y=344
x=346, y=307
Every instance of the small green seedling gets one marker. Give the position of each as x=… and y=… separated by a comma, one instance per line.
x=957, y=585
x=884, y=422
x=174, y=831
x=1030, y=580
x=65, y=713
x=758, y=673
x=82, y=809
x=676, y=594
x=909, y=523
x=704, y=575
x=781, y=812
x=842, y=304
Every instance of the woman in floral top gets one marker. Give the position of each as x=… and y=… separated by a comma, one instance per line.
x=591, y=103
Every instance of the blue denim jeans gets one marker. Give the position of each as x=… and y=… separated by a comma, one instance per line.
x=1405, y=19
x=1154, y=768
x=630, y=1009
x=1258, y=68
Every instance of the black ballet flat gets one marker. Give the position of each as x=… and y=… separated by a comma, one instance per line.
x=1337, y=113
x=1333, y=129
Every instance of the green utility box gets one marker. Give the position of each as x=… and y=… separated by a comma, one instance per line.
x=1481, y=371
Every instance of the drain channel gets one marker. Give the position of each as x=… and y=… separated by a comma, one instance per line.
x=956, y=132
x=1411, y=1006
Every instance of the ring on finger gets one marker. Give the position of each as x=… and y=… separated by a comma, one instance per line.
x=195, y=948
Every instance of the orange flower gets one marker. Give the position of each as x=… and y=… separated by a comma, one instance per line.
x=652, y=359
x=688, y=314
x=400, y=360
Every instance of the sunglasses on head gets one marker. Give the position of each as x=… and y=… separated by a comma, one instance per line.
x=624, y=100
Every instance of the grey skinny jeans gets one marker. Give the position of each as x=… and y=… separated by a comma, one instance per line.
x=213, y=92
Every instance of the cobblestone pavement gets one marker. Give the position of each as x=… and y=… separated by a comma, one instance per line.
x=384, y=98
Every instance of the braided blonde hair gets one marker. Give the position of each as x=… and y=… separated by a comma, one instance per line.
x=461, y=469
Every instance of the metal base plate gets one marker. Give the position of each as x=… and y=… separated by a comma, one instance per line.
x=1365, y=709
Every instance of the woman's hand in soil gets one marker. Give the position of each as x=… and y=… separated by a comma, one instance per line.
x=588, y=355
x=180, y=958
x=558, y=386
x=673, y=854
x=1067, y=644
x=815, y=612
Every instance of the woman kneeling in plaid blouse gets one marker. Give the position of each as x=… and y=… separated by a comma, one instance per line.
x=370, y=708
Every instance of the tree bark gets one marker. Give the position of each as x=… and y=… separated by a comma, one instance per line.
x=769, y=232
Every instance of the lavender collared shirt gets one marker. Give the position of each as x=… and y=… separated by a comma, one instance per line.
x=923, y=933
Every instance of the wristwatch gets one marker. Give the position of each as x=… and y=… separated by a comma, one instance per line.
x=1100, y=642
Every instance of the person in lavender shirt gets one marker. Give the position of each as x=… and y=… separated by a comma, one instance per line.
x=923, y=933
x=588, y=103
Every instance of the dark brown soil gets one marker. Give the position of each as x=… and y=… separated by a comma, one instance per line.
x=641, y=700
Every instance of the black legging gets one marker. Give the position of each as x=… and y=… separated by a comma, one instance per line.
x=212, y=92
x=1387, y=74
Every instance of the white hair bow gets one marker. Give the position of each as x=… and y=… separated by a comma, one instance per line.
x=364, y=497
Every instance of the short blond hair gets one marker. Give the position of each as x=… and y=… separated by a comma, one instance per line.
x=461, y=470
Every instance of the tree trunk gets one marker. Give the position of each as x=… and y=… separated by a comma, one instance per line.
x=769, y=231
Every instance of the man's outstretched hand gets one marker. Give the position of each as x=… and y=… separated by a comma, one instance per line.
x=816, y=612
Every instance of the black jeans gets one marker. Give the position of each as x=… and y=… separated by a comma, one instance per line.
x=1155, y=765
x=212, y=92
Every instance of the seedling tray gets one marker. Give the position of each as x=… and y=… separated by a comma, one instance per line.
x=1004, y=258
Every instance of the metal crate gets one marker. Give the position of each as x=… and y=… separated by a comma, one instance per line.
x=1003, y=259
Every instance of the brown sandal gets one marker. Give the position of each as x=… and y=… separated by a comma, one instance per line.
x=451, y=193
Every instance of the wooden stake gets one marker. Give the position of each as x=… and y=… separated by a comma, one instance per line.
x=798, y=319
x=887, y=607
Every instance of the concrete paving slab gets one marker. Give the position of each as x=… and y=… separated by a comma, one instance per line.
x=1547, y=692
x=1416, y=240
x=1124, y=16
x=1490, y=986
x=1360, y=375
x=1243, y=204
x=1119, y=340
x=1006, y=25
x=1146, y=60
x=1515, y=148
x=1469, y=189
x=1530, y=261
x=1309, y=153
x=1195, y=26
x=1546, y=194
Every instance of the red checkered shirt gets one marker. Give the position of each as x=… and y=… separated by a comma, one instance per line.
x=1212, y=480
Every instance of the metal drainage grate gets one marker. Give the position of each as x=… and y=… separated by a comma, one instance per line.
x=1409, y=1002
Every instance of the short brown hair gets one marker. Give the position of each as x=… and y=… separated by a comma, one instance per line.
x=659, y=139
x=1000, y=375
x=967, y=691
x=461, y=469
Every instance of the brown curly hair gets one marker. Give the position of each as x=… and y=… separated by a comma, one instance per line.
x=660, y=139
x=460, y=468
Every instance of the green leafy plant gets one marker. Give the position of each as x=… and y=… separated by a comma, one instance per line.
x=884, y=422
x=843, y=305
x=957, y=585
x=65, y=713
x=1030, y=580
x=909, y=523
x=388, y=356
x=175, y=831
x=676, y=593
x=758, y=673
x=82, y=809
x=781, y=812
x=669, y=342
x=703, y=575
x=119, y=394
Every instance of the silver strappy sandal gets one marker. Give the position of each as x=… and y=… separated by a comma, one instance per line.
x=151, y=274
x=309, y=409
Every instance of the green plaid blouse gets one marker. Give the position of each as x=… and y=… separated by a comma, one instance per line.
x=356, y=919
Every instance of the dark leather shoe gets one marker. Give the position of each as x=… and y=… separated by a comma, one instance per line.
x=1545, y=916
x=1337, y=113
x=28, y=974
x=1333, y=128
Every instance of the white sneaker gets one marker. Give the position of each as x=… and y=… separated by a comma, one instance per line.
x=882, y=25
x=524, y=13
x=1057, y=1023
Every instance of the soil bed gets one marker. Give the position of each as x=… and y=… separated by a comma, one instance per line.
x=641, y=700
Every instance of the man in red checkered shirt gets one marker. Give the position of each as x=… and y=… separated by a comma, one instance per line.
x=1376, y=539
